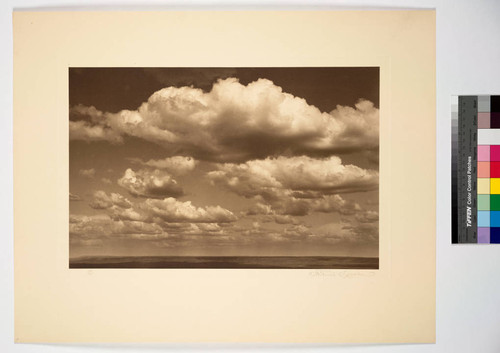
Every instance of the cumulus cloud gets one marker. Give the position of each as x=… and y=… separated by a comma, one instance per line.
x=285, y=219
x=74, y=197
x=89, y=124
x=181, y=230
x=103, y=201
x=326, y=204
x=87, y=173
x=335, y=203
x=297, y=232
x=178, y=165
x=260, y=209
x=280, y=211
x=146, y=183
x=363, y=232
x=83, y=131
x=360, y=227
x=234, y=123
x=172, y=210
x=301, y=174
x=367, y=216
x=106, y=181
x=87, y=227
x=138, y=230
x=296, y=186
x=128, y=214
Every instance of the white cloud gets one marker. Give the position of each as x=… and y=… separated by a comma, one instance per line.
x=91, y=226
x=335, y=203
x=106, y=181
x=360, y=227
x=287, y=205
x=297, y=232
x=87, y=173
x=172, y=210
x=128, y=214
x=367, y=216
x=154, y=184
x=234, y=122
x=102, y=226
x=301, y=173
x=84, y=131
x=138, y=230
x=74, y=197
x=103, y=201
x=260, y=209
x=178, y=165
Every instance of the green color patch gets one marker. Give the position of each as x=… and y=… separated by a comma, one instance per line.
x=495, y=202
x=483, y=202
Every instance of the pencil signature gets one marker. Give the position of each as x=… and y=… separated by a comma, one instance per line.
x=341, y=274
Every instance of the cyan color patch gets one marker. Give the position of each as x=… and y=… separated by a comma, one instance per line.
x=483, y=218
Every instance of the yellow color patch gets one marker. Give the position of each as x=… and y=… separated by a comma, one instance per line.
x=495, y=185
x=483, y=185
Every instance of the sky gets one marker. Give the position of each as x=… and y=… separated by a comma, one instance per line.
x=224, y=161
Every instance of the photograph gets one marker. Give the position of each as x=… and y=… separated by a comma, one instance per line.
x=224, y=168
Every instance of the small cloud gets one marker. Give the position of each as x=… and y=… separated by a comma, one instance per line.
x=171, y=210
x=106, y=181
x=83, y=228
x=74, y=197
x=367, y=217
x=178, y=165
x=154, y=184
x=87, y=124
x=103, y=201
x=87, y=173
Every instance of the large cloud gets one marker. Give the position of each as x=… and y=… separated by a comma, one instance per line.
x=146, y=183
x=302, y=174
x=295, y=186
x=234, y=123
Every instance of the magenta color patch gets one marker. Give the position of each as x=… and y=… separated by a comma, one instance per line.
x=483, y=153
x=495, y=153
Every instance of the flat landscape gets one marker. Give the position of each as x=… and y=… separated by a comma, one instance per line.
x=276, y=262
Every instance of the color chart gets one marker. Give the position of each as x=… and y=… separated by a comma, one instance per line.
x=476, y=169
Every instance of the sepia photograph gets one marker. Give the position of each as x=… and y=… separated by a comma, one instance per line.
x=224, y=168
x=224, y=177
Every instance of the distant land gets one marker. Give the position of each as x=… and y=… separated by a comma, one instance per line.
x=229, y=262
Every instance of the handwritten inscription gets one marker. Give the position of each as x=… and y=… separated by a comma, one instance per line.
x=341, y=274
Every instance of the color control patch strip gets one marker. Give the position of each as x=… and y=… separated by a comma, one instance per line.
x=476, y=169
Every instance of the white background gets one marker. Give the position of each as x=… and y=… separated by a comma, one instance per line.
x=468, y=276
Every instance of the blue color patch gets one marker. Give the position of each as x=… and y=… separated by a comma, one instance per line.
x=495, y=218
x=495, y=235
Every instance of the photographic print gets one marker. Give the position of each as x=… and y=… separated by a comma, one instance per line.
x=181, y=175
x=224, y=167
